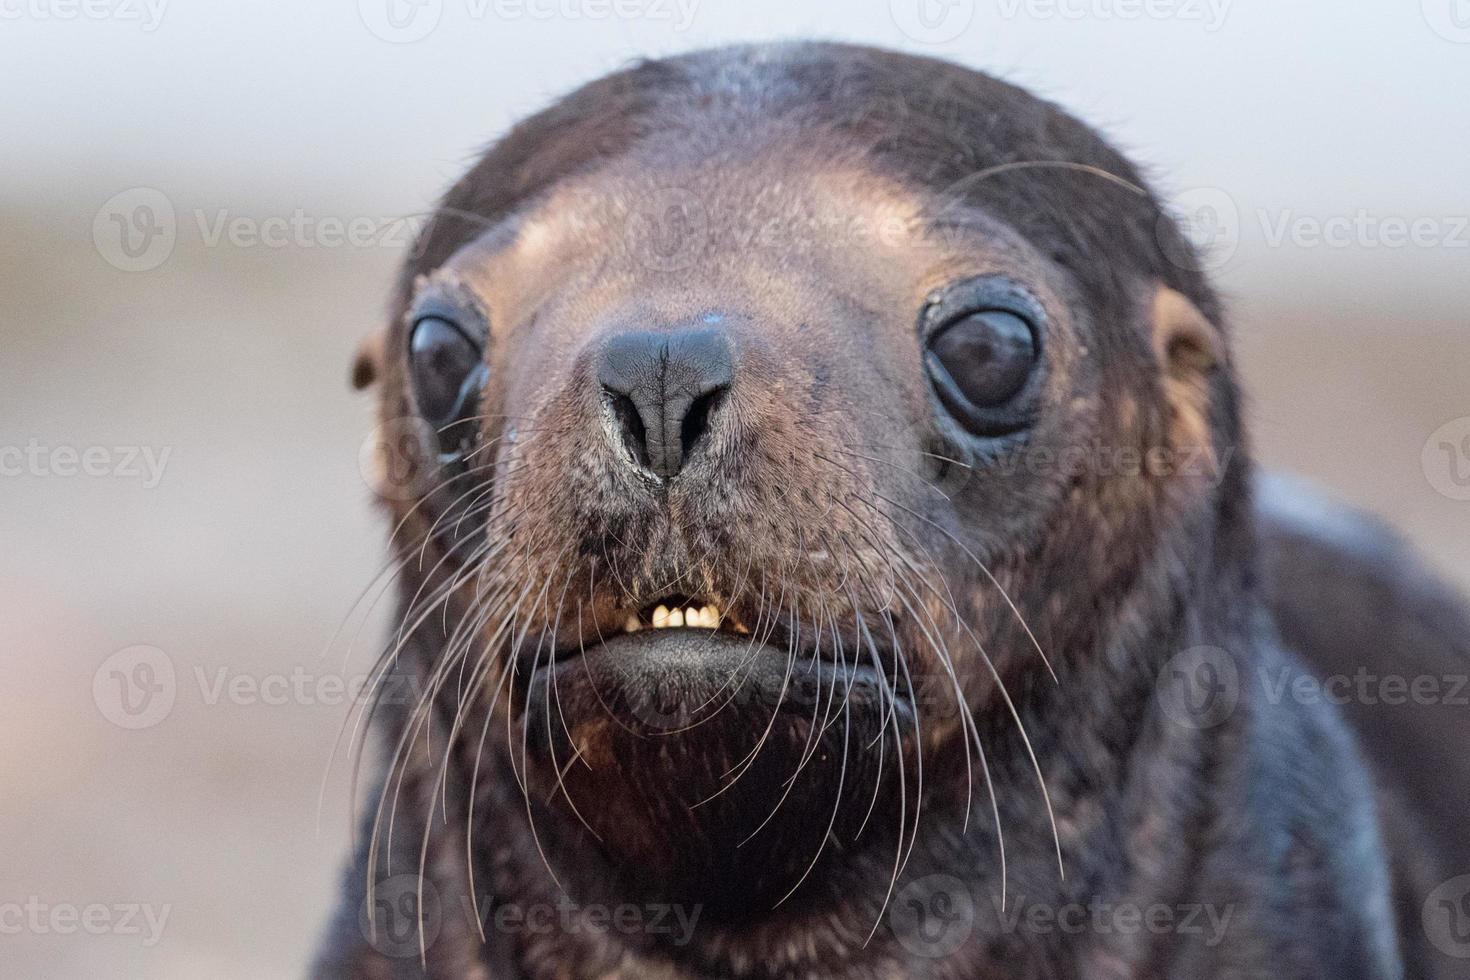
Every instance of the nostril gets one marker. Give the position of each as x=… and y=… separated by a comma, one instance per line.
x=630, y=424
x=664, y=389
x=696, y=421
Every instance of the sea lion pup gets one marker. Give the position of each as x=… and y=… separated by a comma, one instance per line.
x=826, y=549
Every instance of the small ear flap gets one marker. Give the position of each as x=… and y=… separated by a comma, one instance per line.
x=367, y=366
x=1190, y=349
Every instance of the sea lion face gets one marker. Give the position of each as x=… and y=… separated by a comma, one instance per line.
x=829, y=419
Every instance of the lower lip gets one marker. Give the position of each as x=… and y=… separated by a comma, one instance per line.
x=665, y=678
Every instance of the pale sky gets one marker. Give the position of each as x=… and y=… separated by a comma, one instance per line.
x=1308, y=114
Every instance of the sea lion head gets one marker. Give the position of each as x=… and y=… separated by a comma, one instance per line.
x=888, y=380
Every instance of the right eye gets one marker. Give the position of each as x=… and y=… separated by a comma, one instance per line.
x=979, y=364
x=983, y=356
x=448, y=372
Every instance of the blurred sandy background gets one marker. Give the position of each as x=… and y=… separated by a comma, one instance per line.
x=233, y=561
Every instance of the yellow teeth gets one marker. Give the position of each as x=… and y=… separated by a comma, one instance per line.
x=696, y=617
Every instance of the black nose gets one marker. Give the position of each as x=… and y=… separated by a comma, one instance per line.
x=663, y=389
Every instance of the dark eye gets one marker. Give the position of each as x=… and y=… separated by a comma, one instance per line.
x=981, y=362
x=447, y=370
x=442, y=359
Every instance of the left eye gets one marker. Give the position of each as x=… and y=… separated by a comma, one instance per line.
x=447, y=372
x=980, y=363
x=441, y=359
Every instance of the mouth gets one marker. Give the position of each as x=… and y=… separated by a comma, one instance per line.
x=674, y=660
x=696, y=744
x=677, y=650
x=679, y=621
x=674, y=618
